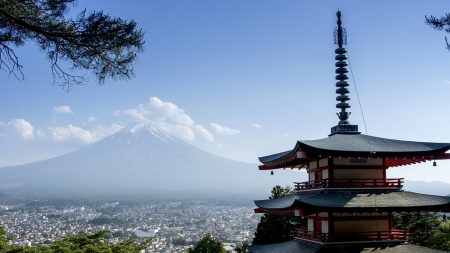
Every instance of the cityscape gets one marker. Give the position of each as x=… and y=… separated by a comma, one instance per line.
x=161, y=126
x=174, y=226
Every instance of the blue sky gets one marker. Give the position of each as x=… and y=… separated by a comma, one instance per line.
x=242, y=79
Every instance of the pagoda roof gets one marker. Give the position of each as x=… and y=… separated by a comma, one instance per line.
x=293, y=246
x=367, y=143
x=355, y=145
x=356, y=200
x=296, y=246
x=403, y=248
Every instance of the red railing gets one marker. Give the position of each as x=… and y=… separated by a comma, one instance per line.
x=311, y=184
x=311, y=235
x=350, y=183
x=393, y=235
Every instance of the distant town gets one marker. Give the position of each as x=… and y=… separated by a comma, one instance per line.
x=173, y=225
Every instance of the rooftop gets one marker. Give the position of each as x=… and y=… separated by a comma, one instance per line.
x=357, y=200
x=356, y=145
x=295, y=246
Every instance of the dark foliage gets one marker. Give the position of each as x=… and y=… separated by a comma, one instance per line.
x=242, y=247
x=207, y=245
x=419, y=224
x=93, y=41
x=425, y=229
x=279, y=192
x=442, y=23
x=275, y=228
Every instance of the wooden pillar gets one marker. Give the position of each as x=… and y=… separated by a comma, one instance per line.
x=330, y=223
x=391, y=221
x=330, y=172
x=385, y=167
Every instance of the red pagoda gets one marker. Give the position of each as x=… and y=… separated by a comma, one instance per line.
x=348, y=201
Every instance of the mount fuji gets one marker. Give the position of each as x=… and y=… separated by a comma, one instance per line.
x=140, y=161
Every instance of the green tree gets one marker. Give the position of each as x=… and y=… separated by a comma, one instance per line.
x=279, y=192
x=207, y=245
x=84, y=243
x=440, y=239
x=93, y=41
x=275, y=228
x=421, y=225
x=3, y=240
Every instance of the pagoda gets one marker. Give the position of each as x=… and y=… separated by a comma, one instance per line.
x=348, y=202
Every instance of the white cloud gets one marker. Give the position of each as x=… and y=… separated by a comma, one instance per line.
x=222, y=130
x=63, y=109
x=204, y=132
x=169, y=118
x=285, y=134
x=170, y=111
x=68, y=134
x=23, y=127
x=137, y=114
x=256, y=125
x=79, y=135
x=64, y=133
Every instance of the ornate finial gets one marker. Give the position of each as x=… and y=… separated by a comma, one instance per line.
x=341, y=84
x=340, y=34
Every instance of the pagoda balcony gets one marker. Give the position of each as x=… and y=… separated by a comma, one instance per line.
x=393, y=183
x=394, y=235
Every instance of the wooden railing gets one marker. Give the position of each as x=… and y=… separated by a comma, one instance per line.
x=350, y=183
x=311, y=184
x=311, y=235
x=393, y=235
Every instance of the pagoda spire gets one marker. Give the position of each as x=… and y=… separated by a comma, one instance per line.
x=342, y=84
x=341, y=71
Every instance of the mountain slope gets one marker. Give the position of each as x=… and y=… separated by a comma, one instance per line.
x=434, y=188
x=140, y=160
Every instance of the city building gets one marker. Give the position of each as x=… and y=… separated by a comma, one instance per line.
x=348, y=202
